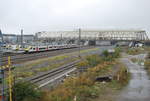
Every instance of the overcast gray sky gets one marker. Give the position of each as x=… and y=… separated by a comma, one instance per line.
x=46, y=15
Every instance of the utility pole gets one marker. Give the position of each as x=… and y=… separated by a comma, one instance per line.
x=61, y=39
x=10, y=79
x=2, y=70
x=95, y=40
x=21, y=38
x=1, y=35
x=79, y=42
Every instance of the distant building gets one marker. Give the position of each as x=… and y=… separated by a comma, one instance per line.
x=16, y=39
x=26, y=38
x=10, y=38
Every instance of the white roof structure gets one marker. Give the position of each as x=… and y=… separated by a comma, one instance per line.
x=90, y=34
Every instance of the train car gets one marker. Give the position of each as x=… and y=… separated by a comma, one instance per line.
x=31, y=49
x=63, y=46
x=6, y=48
x=73, y=46
x=42, y=48
x=52, y=47
x=15, y=47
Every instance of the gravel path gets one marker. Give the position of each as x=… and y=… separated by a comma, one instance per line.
x=138, y=88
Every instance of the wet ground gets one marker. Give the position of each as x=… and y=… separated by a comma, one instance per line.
x=138, y=88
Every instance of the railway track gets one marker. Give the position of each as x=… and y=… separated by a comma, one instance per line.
x=50, y=76
x=16, y=59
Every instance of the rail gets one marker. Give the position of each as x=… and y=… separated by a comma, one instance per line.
x=63, y=70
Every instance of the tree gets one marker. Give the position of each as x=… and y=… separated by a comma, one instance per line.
x=25, y=90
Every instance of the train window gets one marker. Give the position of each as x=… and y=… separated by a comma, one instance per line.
x=42, y=48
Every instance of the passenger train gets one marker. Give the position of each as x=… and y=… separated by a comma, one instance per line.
x=35, y=48
x=31, y=49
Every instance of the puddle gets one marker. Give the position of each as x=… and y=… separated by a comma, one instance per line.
x=138, y=88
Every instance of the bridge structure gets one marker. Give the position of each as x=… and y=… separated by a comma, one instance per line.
x=101, y=35
x=124, y=35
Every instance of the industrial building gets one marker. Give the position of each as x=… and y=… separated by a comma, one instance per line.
x=26, y=38
x=9, y=38
x=15, y=39
x=95, y=34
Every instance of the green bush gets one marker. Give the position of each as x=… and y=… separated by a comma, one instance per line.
x=122, y=76
x=105, y=53
x=134, y=51
x=111, y=56
x=147, y=65
x=93, y=60
x=25, y=91
x=84, y=93
x=117, y=52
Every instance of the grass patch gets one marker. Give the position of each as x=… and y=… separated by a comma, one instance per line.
x=135, y=51
x=21, y=75
x=134, y=60
x=146, y=48
x=89, y=50
x=43, y=69
x=40, y=61
x=138, y=61
x=147, y=65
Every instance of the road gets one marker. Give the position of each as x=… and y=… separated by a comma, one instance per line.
x=138, y=88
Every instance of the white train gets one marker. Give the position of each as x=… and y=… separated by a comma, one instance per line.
x=35, y=48
x=7, y=48
x=42, y=48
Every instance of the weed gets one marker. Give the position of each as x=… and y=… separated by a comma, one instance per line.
x=147, y=65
